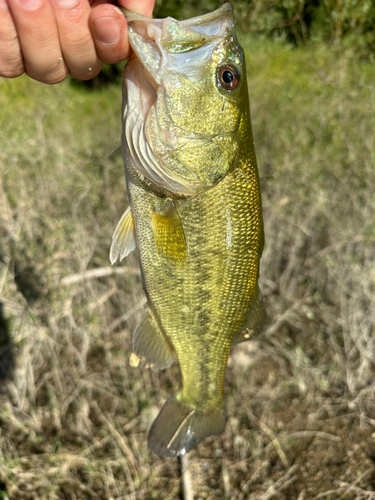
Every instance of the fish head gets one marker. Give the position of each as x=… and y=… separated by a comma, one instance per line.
x=186, y=92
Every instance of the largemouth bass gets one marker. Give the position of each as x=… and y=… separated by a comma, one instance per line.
x=195, y=212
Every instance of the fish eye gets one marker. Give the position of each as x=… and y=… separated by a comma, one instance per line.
x=228, y=77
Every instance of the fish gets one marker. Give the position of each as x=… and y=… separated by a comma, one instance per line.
x=195, y=213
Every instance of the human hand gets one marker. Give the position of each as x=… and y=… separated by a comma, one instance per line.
x=49, y=39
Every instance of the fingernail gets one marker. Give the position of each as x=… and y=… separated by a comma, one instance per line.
x=107, y=30
x=67, y=4
x=30, y=4
x=3, y=4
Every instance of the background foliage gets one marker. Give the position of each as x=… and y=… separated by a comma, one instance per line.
x=352, y=21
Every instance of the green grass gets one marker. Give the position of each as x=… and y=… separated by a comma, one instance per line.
x=73, y=415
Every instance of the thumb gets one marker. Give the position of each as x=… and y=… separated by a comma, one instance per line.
x=110, y=33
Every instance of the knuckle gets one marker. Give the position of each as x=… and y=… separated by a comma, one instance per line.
x=113, y=54
x=11, y=64
x=48, y=75
x=112, y=57
x=82, y=59
x=53, y=80
x=54, y=77
x=11, y=72
x=108, y=55
x=80, y=46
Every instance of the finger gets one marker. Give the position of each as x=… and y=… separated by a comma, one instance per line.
x=144, y=7
x=11, y=62
x=39, y=41
x=109, y=29
x=77, y=45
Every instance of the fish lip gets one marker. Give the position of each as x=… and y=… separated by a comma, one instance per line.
x=162, y=31
x=225, y=8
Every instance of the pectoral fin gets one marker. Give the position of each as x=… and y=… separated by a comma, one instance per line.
x=254, y=323
x=168, y=233
x=123, y=239
x=150, y=347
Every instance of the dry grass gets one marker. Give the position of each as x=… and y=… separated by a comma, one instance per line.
x=74, y=415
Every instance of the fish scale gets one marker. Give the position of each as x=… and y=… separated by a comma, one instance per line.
x=195, y=212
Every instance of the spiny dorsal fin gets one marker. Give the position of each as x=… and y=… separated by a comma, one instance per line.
x=254, y=323
x=168, y=233
x=123, y=239
x=150, y=347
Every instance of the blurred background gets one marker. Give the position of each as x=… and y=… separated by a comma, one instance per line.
x=300, y=398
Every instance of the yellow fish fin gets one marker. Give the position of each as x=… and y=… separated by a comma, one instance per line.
x=254, y=323
x=168, y=233
x=150, y=347
x=123, y=239
x=178, y=428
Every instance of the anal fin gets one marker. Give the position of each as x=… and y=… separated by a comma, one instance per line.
x=150, y=347
x=255, y=321
x=123, y=239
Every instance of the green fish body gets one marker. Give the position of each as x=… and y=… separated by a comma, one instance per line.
x=195, y=212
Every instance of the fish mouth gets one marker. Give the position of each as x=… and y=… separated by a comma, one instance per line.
x=153, y=41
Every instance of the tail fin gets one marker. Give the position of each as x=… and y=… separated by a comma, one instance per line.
x=178, y=428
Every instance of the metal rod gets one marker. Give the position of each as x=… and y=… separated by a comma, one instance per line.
x=186, y=484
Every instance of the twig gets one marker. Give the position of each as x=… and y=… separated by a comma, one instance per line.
x=275, y=441
x=187, y=488
x=315, y=434
x=103, y=299
x=281, y=484
x=271, y=330
x=126, y=315
x=254, y=477
x=11, y=304
x=126, y=451
x=226, y=481
x=99, y=272
x=346, y=488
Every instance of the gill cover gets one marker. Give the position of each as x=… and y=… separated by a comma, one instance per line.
x=180, y=125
